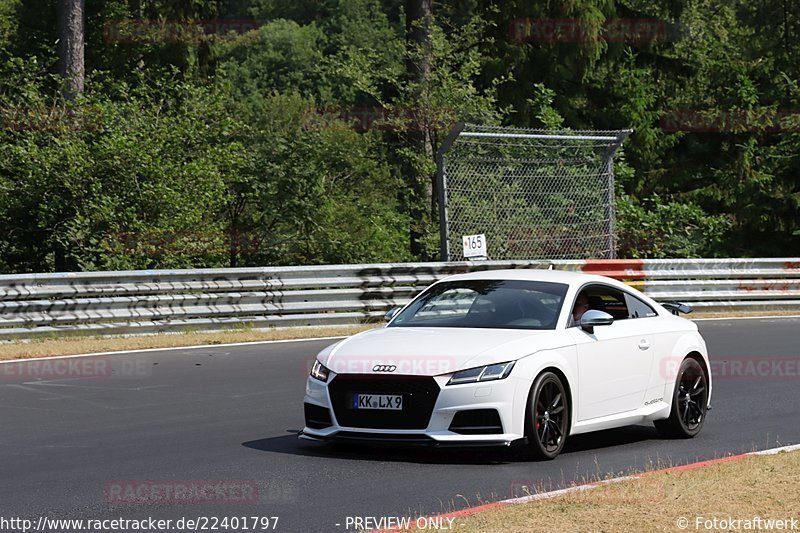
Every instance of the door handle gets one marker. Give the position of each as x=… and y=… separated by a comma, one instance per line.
x=644, y=344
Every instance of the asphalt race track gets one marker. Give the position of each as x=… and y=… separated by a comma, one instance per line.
x=231, y=414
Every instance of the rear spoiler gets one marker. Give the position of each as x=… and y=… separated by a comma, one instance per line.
x=676, y=308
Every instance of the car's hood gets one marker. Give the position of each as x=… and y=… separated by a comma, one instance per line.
x=432, y=351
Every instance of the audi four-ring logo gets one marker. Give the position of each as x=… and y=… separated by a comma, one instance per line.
x=384, y=368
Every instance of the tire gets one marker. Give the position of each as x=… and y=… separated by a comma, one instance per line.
x=689, y=403
x=547, y=417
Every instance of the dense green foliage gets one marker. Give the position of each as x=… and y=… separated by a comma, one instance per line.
x=195, y=146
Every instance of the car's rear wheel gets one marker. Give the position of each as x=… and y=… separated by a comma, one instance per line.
x=689, y=403
x=547, y=418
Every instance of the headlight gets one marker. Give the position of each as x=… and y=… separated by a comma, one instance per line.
x=482, y=373
x=319, y=372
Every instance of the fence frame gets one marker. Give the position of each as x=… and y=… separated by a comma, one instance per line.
x=464, y=130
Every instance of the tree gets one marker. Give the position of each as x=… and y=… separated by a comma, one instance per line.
x=419, y=18
x=70, y=46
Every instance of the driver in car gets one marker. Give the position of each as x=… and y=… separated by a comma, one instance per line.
x=581, y=306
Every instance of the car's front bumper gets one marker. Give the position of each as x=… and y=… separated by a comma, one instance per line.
x=508, y=397
x=404, y=440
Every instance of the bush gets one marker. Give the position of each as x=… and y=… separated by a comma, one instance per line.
x=654, y=229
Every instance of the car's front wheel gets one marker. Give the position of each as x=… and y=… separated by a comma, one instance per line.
x=547, y=420
x=689, y=403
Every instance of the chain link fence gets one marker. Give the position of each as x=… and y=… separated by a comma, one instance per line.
x=535, y=194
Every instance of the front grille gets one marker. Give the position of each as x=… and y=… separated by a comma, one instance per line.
x=317, y=417
x=477, y=422
x=419, y=397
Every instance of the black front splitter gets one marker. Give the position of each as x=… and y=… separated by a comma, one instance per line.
x=387, y=439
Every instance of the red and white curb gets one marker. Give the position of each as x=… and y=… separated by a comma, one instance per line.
x=589, y=486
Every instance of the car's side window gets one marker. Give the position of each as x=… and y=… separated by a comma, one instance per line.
x=639, y=309
x=616, y=303
x=601, y=298
x=613, y=303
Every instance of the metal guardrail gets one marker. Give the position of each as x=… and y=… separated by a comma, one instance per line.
x=170, y=300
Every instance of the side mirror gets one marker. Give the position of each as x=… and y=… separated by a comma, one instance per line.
x=593, y=317
x=391, y=313
x=676, y=308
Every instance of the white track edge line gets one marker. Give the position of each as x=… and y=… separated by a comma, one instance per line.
x=168, y=349
x=770, y=317
x=773, y=451
x=199, y=346
x=594, y=485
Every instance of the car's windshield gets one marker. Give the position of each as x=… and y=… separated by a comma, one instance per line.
x=506, y=304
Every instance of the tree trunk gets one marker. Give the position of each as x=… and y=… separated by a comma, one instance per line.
x=418, y=69
x=70, y=45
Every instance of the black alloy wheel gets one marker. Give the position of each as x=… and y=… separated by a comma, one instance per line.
x=689, y=402
x=548, y=417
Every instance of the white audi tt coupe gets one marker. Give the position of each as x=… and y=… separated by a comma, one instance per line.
x=512, y=356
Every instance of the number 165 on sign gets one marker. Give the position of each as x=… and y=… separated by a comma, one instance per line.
x=474, y=245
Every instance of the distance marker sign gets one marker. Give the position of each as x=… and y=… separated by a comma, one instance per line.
x=474, y=246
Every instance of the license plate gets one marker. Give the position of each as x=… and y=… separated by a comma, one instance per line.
x=393, y=402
